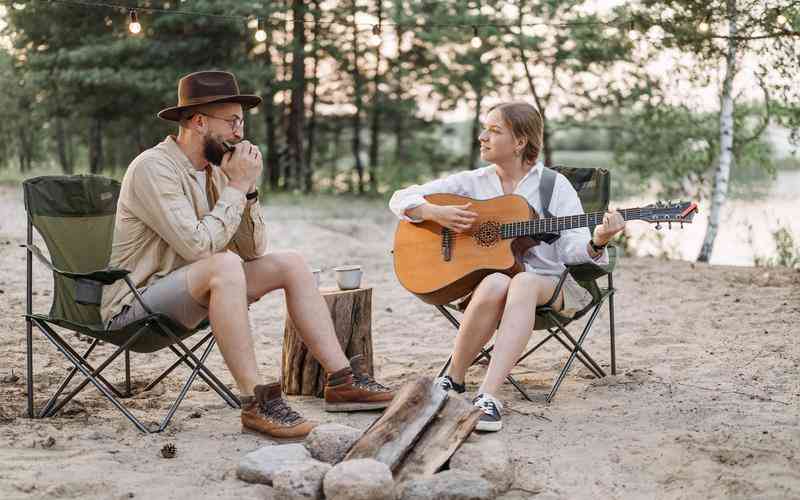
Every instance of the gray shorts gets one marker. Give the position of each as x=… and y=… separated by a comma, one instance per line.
x=168, y=295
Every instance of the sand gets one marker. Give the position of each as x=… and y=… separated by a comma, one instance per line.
x=706, y=402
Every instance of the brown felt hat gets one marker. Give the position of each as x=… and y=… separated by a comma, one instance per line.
x=207, y=87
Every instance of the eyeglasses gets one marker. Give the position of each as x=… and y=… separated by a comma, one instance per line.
x=235, y=123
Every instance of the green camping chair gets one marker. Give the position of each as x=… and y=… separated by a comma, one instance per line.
x=75, y=217
x=593, y=187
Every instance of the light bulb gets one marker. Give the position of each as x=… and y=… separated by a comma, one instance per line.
x=134, y=26
x=476, y=41
x=702, y=27
x=781, y=20
x=260, y=35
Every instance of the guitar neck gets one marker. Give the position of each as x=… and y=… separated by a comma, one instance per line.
x=558, y=224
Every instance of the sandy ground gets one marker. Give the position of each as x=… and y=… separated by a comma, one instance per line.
x=706, y=403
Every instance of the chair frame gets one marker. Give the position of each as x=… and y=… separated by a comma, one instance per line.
x=575, y=348
x=93, y=375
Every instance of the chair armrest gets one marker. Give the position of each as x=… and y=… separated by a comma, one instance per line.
x=589, y=271
x=105, y=276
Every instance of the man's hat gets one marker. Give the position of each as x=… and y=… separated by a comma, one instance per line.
x=206, y=87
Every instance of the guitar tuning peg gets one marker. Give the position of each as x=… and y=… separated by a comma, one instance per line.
x=681, y=224
x=658, y=226
x=669, y=225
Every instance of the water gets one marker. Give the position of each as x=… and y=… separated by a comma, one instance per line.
x=746, y=226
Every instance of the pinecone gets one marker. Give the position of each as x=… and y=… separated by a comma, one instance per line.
x=169, y=450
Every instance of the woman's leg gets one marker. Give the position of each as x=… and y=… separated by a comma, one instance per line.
x=479, y=323
x=525, y=292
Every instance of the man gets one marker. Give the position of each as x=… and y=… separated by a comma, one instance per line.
x=189, y=227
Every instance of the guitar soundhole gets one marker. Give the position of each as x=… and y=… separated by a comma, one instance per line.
x=488, y=234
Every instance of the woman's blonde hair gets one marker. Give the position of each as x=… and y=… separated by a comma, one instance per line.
x=525, y=122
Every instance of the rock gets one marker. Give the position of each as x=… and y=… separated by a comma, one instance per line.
x=261, y=465
x=448, y=485
x=363, y=479
x=330, y=442
x=301, y=481
x=488, y=458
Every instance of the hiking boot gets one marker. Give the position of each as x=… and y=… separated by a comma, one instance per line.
x=491, y=420
x=268, y=413
x=447, y=384
x=352, y=389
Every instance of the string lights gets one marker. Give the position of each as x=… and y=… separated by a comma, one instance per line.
x=261, y=34
x=476, y=41
x=375, y=40
x=134, y=26
x=539, y=29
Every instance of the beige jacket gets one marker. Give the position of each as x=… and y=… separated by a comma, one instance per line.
x=163, y=222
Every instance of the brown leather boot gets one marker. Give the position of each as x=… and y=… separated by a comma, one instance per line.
x=352, y=389
x=268, y=413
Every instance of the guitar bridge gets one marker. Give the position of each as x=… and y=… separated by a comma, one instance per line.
x=447, y=242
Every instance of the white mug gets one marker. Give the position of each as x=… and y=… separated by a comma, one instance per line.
x=348, y=277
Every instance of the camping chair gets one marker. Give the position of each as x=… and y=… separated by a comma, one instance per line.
x=593, y=187
x=75, y=217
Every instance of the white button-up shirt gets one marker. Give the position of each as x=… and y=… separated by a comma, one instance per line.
x=484, y=183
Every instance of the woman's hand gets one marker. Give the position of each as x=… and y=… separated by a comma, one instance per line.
x=613, y=223
x=455, y=217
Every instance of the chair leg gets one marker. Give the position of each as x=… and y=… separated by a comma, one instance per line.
x=46, y=408
x=185, y=387
x=92, y=376
x=220, y=388
x=231, y=398
x=582, y=356
x=181, y=359
x=127, y=372
x=29, y=311
x=574, y=353
x=611, y=324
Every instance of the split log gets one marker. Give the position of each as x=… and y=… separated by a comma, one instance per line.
x=351, y=311
x=441, y=439
x=390, y=438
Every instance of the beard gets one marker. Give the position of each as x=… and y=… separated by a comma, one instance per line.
x=213, y=150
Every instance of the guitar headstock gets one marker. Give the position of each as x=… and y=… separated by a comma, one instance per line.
x=681, y=212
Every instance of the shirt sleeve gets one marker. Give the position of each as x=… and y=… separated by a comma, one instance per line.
x=413, y=196
x=251, y=237
x=162, y=204
x=572, y=246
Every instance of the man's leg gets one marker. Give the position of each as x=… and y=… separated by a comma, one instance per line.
x=525, y=292
x=348, y=388
x=480, y=321
x=288, y=270
x=219, y=283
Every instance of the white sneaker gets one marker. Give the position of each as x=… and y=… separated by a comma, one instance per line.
x=491, y=420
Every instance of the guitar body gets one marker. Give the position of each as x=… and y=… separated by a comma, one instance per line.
x=419, y=258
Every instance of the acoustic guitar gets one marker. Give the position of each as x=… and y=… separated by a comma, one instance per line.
x=439, y=265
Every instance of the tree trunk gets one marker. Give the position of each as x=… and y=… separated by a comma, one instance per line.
x=474, y=150
x=297, y=107
x=337, y=139
x=312, y=123
x=96, y=145
x=62, y=147
x=723, y=172
x=272, y=177
x=351, y=312
x=375, y=129
x=359, y=103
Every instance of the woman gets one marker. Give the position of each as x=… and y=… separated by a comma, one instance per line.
x=511, y=141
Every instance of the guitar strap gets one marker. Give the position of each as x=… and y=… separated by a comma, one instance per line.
x=546, y=184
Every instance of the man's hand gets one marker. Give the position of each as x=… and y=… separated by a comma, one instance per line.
x=612, y=224
x=243, y=166
x=455, y=217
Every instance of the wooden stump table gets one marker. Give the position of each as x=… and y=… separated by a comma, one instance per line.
x=351, y=311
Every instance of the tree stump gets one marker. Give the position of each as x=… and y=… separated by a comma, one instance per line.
x=351, y=311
